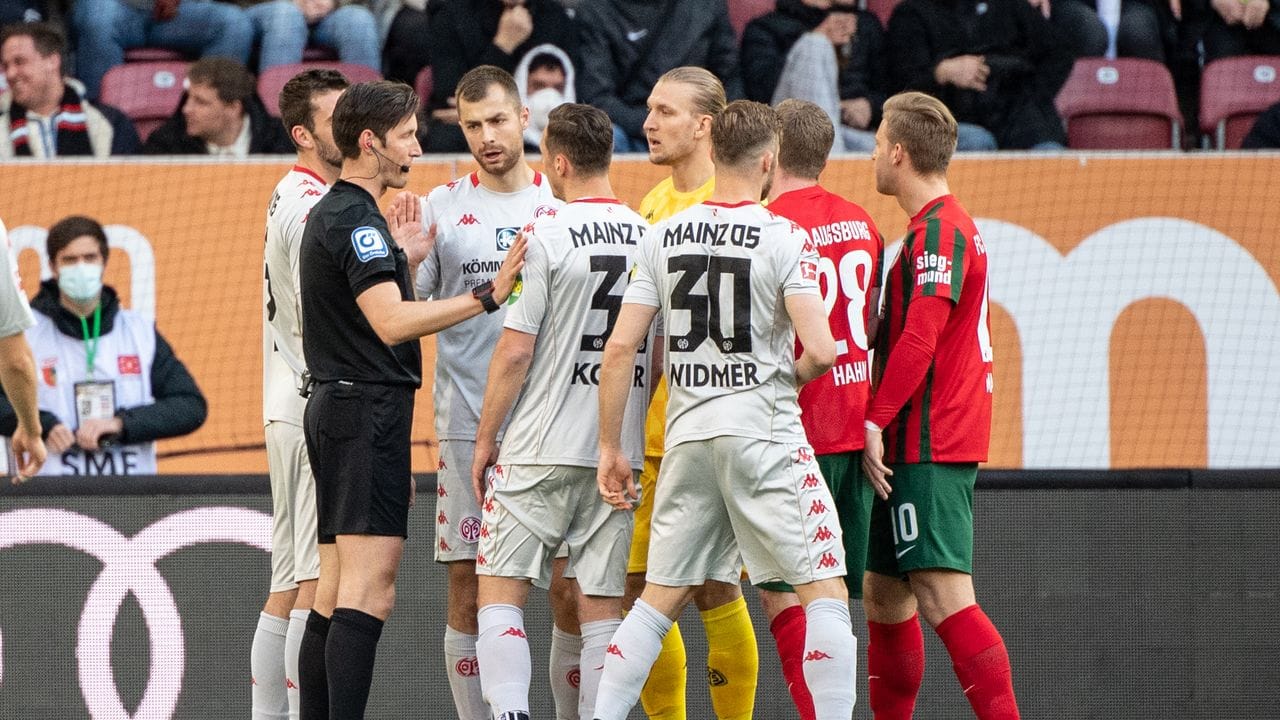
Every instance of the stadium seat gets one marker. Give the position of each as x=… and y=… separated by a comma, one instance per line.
x=148, y=92
x=1121, y=104
x=273, y=79
x=424, y=84
x=881, y=8
x=1233, y=92
x=153, y=54
x=742, y=12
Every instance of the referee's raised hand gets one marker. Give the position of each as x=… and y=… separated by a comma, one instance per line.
x=404, y=219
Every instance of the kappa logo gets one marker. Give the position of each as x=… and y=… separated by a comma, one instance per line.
x=824, y=534
x=828, y=561
x=804, y=455
x=440, y=491
x=369, y=243
x=810, y=481
x=505, y=237
x=715, y=678
x=615, y=650
x=444, y=546
x=469, y=528
x=488, y=505
x=815, y=655
x=441, y=519
x=468, y=219
x=467, y=667
x=817, y=507
x=441, y=465
x=480, y=560
x=289, y=684
x=513, y=632
x=484, y=530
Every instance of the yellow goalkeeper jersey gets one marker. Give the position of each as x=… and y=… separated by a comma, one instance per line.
x=662, y=202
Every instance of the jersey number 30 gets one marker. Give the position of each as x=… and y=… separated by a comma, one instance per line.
x=707, y=313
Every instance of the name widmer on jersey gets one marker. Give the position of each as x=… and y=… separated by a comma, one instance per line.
x=731, y=375
x=747, y=236
x=605, y=233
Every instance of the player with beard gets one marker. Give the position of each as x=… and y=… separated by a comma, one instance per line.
x=475, y=219
x=682, y=106
x=306, y=107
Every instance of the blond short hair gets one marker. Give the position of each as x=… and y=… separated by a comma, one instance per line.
x=708, y=97
x=924, y=127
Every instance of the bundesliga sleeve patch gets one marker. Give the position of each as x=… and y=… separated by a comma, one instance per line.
x=369, y=243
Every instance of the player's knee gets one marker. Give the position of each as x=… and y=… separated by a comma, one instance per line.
x=886, y=599
x=712, y=594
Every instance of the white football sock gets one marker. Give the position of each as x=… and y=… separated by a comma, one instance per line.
x=464, y=675
x=628, y=658
x=503, y=651
x=565, y=673
x=266, y=662
x=830, y=658
x=595, y=639
x=293, y=641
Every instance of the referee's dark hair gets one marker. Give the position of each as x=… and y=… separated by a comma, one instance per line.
x=228, y=78
x=583, y=134
x=70, y=228
x=297, y=97
x=807, y=137
x=378, y=106
x=475, y=84
x=743, y=132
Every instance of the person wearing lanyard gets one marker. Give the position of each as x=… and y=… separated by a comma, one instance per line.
x=108, y=384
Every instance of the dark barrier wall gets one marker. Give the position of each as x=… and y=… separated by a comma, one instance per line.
x=1153, y=601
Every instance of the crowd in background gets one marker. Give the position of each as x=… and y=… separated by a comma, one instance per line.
x=998, y=64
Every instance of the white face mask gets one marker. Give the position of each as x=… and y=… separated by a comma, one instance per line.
x=80, y=282
x=540, y=105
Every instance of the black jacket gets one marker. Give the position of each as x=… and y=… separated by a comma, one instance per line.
x=179, y=406
x=611, y=76
x=1265, y=132
x=1028, y=63
x=267, y=135
x=466, y=28
x=769, y=38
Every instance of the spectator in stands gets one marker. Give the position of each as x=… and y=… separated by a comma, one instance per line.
x=1112, y=28
x=1265, y=133
x=545, y=80
x=104, y=29
x=1241, y=27
x=220, y=115
x=405, y=24
x=470, y=33
x=109, y=384
x=996, y=64
x=631, y=43
x=283, y=28
x=824, y=51
x=44, y=114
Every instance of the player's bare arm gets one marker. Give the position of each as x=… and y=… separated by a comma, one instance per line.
x=614, y=477
x=809, y=318
x=507, y=372
x=396, y=321
x=18, y=374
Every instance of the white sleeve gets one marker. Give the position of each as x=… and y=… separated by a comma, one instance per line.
x=642, y=288
x=15, y=313
x=798, y=263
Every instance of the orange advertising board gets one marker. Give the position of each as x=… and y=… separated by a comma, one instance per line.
x=1135, y=315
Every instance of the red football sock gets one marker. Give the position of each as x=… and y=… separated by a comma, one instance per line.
x=981, y=663
x=788, y=630
x=895, y=666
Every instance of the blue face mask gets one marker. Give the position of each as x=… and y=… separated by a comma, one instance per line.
x=80, y=282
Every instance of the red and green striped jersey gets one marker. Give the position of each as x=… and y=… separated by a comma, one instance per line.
x=948, y=416
x=850, y=258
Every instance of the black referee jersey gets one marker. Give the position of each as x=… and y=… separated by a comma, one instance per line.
x=347, y=249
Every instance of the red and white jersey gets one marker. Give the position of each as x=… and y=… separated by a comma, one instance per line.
x=475, y=227
x=718, y=275
x=851, y=253
x=574, y=276
x=282, y=360
x=948, y=417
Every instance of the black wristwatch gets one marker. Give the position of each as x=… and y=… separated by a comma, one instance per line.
x=484, y=293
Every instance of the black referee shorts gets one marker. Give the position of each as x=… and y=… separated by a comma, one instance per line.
x=358, y=443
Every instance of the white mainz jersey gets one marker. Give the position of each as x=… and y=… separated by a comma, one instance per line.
x=475, y=227
x=573, y=280
x=124, y=357
x=282, y=361
x=15, y=313
x=718, y=275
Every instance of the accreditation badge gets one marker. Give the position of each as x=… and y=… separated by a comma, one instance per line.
x=95, y=400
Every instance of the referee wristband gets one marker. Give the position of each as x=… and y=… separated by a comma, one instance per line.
x=871, y=426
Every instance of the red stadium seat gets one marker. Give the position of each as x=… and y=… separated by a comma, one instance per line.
x=1233, y=92
x=1121, y=104
x=742, y=12
x=273, y=79
x=148, y=92
x=424, y=84
x=882, y=9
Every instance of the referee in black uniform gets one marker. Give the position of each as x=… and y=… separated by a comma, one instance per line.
x=362, y=326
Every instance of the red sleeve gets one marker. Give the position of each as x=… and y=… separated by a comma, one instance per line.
x=910, y=358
